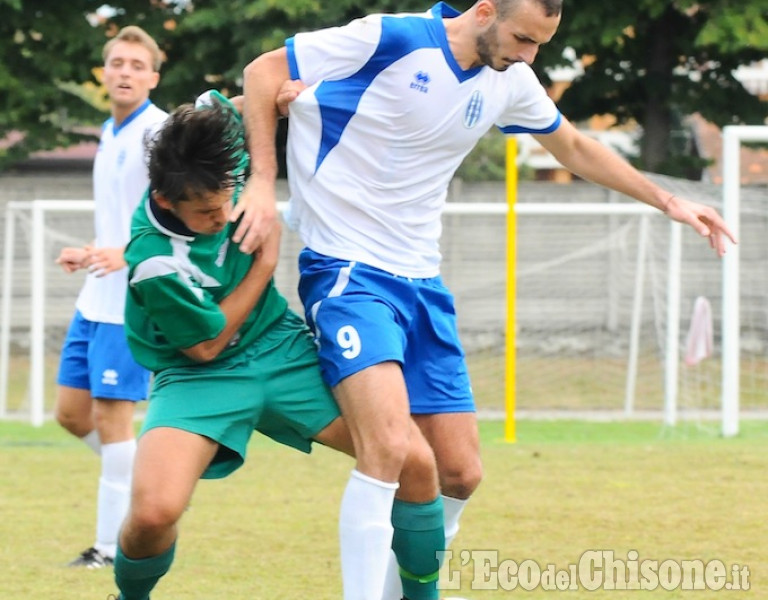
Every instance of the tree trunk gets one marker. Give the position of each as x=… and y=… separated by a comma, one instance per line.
x=657, y=122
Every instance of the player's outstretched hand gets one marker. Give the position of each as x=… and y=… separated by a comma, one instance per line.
x=703, y=219
x=103, y=261
x=257, y=211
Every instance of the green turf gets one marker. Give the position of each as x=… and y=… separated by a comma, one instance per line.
x=269, y=531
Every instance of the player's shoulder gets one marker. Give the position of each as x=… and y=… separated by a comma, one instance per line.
x=154, y=115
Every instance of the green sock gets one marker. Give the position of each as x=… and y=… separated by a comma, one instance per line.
x=136, y=578
x=418, y=538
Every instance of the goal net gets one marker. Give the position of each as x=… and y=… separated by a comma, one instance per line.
x=595, y=332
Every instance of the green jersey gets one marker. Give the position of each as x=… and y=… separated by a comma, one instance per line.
x=176, y=281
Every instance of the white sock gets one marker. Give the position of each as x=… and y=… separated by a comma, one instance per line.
x=365, y=531
x=114, y=493
x=452, y=509
x=92, y=440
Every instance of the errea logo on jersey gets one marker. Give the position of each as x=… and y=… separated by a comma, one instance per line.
x=474, y=110
x=420, y=81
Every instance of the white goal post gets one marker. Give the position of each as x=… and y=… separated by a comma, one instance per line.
x=38, y=210
x=733, y=136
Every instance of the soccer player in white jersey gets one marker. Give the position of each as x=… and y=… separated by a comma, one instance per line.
x=98, y=381
x=393, y=104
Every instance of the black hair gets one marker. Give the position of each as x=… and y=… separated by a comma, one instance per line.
x=196, y=151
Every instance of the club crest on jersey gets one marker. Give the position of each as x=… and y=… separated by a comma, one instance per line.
x=420, y=81
x=474, y=110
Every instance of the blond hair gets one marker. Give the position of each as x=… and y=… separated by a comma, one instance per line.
x=135, y=35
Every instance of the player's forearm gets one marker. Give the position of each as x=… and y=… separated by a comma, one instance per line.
x=236, y=308
x=596, y=163
x=590, y=160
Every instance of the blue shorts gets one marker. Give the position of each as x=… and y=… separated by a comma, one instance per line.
x=96, y=357
x=362, y=316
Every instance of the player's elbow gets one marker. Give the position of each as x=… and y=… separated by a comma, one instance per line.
x=202, y=353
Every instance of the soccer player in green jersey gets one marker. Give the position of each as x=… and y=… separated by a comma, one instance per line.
x=228, y=357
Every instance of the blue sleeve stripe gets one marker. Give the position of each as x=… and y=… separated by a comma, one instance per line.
x=293, y=66
x=518, y=129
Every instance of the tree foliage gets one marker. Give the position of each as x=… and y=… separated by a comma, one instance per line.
x=43, y=44
x=656, y=61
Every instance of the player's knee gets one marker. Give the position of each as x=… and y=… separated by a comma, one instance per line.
x=385, y=452
x=461, y=481
x=153, y=518
x=420, y=461
x=418, y=479
x=70, y=421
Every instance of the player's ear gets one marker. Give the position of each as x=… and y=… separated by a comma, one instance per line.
x=485, y=13
x=155, y=80
x=162, y=201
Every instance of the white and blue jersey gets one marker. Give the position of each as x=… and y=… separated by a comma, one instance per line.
x=120, y=179
x=387, y=119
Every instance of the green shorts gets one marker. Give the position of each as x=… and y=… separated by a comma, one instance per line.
x=273, y=386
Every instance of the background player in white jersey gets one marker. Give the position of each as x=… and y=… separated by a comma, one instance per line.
x=230, y=357
x=98, y=381
x=393, y=105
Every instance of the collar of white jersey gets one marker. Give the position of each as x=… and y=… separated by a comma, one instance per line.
x=127, y=121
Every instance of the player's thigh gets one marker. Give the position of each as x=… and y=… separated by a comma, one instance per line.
x=167, y=466
x=455, y=441
x=374, y=403
x=336, y=435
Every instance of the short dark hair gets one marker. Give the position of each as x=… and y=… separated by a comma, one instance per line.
x=196, y=151
x=504, y=8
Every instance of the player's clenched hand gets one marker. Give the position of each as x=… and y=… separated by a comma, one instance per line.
x=71, y=259
x=288, y=92
x=257, y=210
x=703, y=219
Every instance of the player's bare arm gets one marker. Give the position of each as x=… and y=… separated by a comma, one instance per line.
x=257, y=207
x=594, y=162
x=239, y=304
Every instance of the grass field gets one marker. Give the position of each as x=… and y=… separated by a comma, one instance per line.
x=269, y=531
